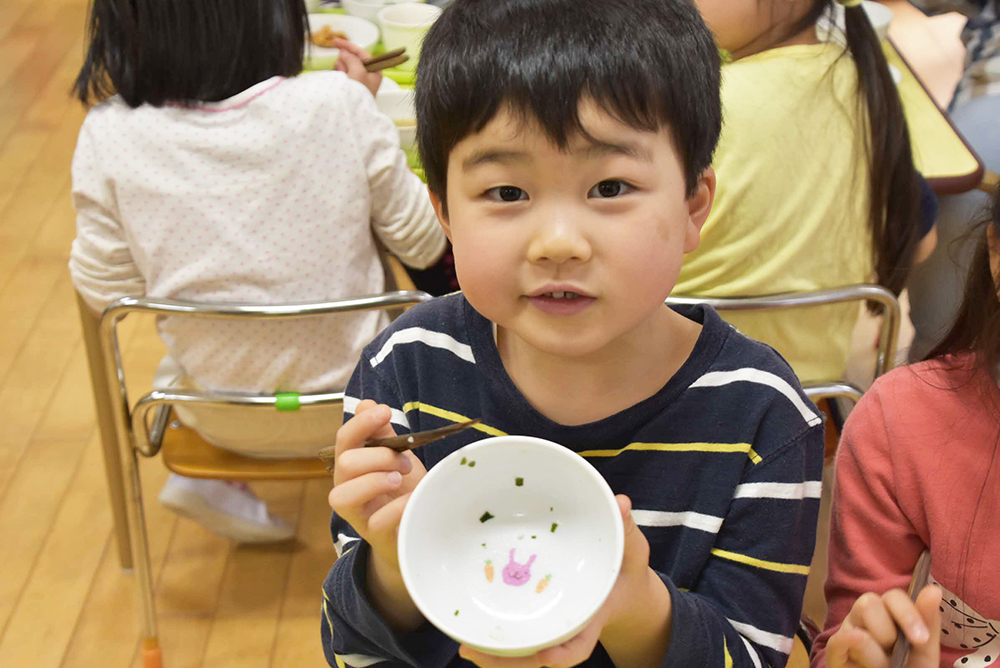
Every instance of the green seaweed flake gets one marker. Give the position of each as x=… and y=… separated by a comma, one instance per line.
x=519, y=482
x=554, y=525
x=472, y=463
x=487, y=516
x=456, y=613
x=462, y=463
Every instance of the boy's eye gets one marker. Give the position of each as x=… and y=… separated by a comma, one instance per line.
x=608, y=189
x=506, y=194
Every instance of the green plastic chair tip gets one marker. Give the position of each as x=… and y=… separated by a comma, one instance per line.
x=287, y=401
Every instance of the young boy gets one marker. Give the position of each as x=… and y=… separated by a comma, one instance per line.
x=567, y=146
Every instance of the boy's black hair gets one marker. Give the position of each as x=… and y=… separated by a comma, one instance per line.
x=159, y=51
x=649, y=63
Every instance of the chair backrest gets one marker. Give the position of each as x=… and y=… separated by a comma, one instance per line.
x=131, y=422
x=833, y=387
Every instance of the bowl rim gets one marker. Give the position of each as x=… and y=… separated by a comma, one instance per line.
x=433, y=13
x=618, y=540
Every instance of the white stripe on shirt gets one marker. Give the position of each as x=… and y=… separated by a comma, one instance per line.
x=396, y=416
x=692, y=520
x=719, y=378
x=427, y=337
x=343, y=540
x=360, y=660
x=752, y=652
x=774, y=641
x=811, y=489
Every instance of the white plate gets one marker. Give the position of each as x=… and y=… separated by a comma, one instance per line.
x=361, y=32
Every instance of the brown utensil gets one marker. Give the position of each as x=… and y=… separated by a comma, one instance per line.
x=386, y=60
x=401, y=443
x=921, y=575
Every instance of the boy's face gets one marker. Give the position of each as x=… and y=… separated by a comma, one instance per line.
x=570, y=250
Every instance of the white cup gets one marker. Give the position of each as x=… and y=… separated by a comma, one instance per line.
x=404, y=25
x=363, y=9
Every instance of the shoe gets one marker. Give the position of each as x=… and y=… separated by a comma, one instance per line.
x=227, y=509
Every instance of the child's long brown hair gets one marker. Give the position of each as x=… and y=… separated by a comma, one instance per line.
x=976, y=328
x=976, y=334
x=894, y=192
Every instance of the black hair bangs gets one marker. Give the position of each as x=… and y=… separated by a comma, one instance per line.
x=649, y=64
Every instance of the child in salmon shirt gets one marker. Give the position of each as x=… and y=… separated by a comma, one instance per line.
x=917, y=470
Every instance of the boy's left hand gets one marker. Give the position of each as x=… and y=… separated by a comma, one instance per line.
x=624, y=602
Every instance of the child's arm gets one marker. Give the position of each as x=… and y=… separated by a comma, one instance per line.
x=100, y=261
x=747, y=600
x=401, y=211
x=367, y=614
x=873, y=544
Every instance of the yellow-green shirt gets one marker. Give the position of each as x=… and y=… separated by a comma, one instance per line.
x=791, y=208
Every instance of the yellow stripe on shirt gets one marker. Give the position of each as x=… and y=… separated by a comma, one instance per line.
x=760, y=563
x=449, y=415
x=672, y=447
x=725, y=649
x=639, y=447
x=340, y=662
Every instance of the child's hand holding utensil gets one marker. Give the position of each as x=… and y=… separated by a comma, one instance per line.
x=870, y=637
x=370, y=489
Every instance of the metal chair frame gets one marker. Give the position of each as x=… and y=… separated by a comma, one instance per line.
x=822, y=389
x=132, y=435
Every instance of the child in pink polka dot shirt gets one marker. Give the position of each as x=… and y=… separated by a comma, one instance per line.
x=210, y=169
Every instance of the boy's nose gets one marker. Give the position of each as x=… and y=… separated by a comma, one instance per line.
x=559, y=241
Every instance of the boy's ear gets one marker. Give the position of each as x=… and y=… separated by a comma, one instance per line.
x=699, y=206
x=439, y=209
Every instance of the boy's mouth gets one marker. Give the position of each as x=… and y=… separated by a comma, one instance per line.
x=560, y=302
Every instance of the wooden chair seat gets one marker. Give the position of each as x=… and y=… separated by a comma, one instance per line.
x=186, y=453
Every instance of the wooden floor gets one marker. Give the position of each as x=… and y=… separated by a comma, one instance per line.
x=64, y=600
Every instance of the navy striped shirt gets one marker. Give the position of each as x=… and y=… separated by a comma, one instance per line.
x=723, y=466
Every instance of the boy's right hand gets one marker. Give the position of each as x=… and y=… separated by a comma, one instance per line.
x=866, y=637
x=372, y=485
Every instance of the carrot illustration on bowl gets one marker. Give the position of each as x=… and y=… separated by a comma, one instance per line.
x=488, y=570
x=543, y=583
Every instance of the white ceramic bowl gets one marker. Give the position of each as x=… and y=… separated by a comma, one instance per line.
x=511, y=544
x=398, y=105
x=364, y=9
x=368, y=9
x=404, y=25
x=361, y=32
x=831, y=29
